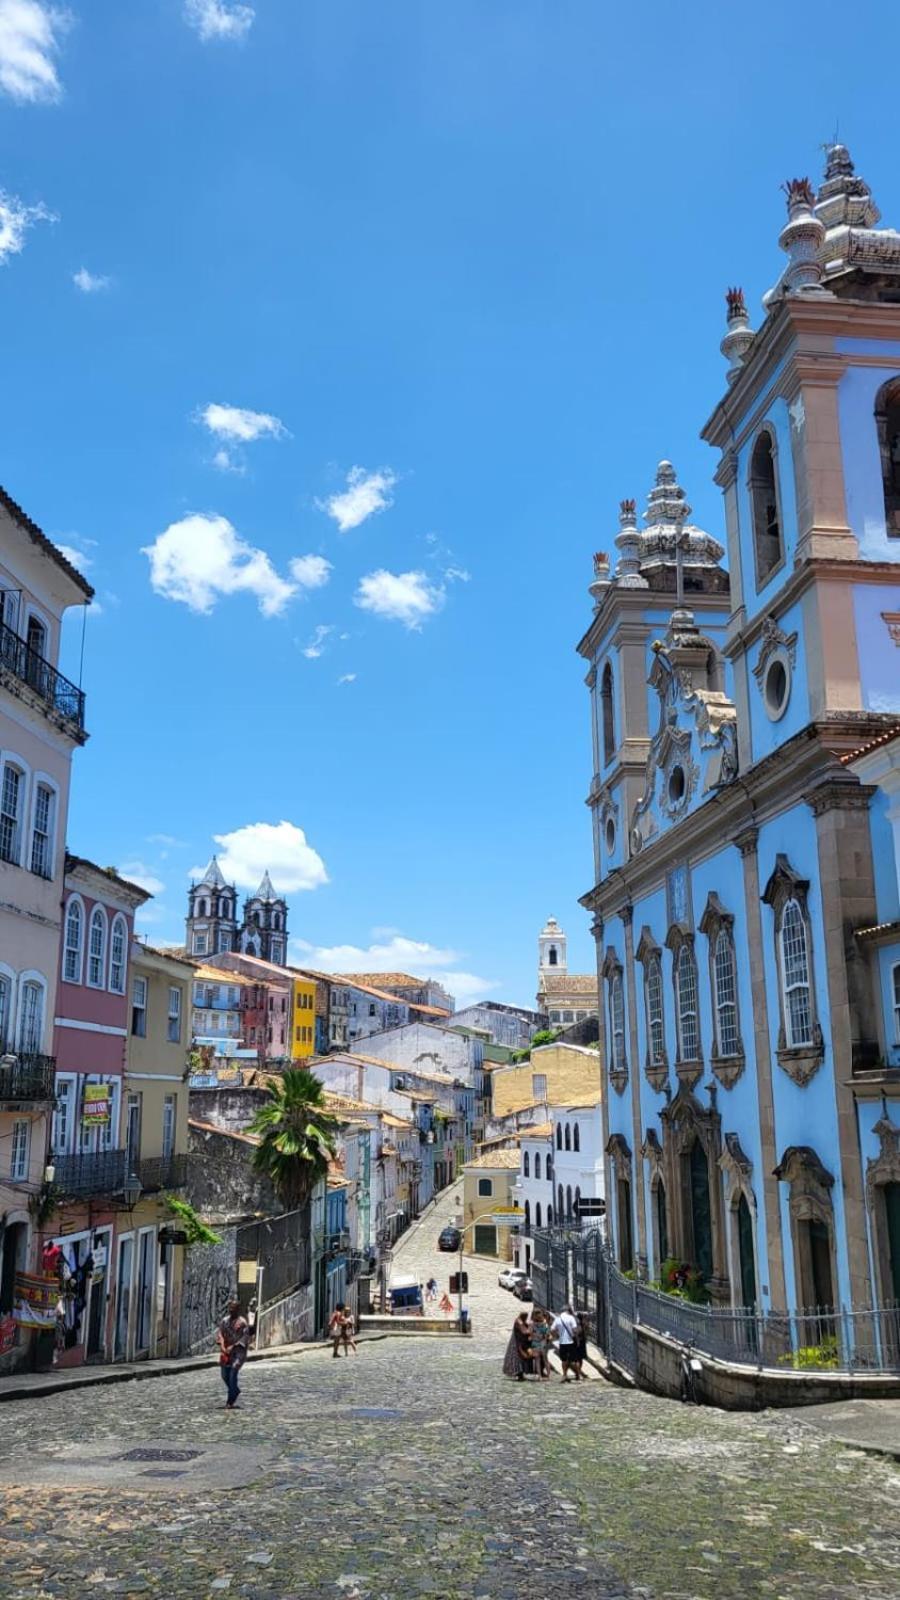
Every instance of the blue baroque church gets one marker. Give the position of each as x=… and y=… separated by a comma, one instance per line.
x=746, y=802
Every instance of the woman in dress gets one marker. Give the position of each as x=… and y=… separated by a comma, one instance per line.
x=518, y=1359
x=540, y=1343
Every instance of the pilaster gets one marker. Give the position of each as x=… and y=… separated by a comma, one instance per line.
x=641, y=1256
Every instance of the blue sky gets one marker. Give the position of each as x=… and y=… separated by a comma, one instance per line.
x=462, y=262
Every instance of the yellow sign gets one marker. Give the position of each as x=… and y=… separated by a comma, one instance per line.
x=95, y=1108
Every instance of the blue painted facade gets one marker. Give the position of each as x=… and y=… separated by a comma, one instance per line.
x=746, y=805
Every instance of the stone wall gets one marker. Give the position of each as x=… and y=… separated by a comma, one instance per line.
x=221, y=1179
x=739, y=1388
x=288, y=1321
x=208, y=1283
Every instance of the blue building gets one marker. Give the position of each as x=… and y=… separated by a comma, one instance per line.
x=746, y=908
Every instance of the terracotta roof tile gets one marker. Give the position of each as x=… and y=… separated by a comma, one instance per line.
x=873, y=744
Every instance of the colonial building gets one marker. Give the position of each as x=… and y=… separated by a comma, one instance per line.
x=563, y=997
x=751, y=1122
x=212, y=921
x=41, y=724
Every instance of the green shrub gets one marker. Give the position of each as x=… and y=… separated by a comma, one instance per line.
x=823, y=1357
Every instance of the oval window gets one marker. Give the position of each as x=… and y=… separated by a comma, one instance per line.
x=777, y=688
x=676, y=785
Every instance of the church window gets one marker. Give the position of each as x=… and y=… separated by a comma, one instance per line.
x=568, y=1138
x=552, y=956
x=763, y=485
x=576, y=1137
x=655, y=1026
x=725, y=974
x=617, y=1022
x=537, y=1215
x=526, y=1165
x=686, y=997
x=795, y=976
x=559, y=1136
x=276, y=920
x=537, y=1163
x=202, y=908
x=606, y=703
x=887, y=418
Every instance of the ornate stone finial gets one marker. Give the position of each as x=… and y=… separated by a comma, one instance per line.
x=627, y=512
x=844, y=200
x=601, y=577
x=667, y=501
x=837, y=162
x=628, y=543
x=801, y=239
x=739, y=335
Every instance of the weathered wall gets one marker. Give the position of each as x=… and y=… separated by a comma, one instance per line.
x=289, y=1320
x=221, y=1180
x=208, y=1283
x=735, y=1388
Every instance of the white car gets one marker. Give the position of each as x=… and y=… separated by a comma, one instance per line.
x=510, y=1276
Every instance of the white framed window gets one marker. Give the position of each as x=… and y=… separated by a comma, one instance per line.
x=139, y=1008
x=63, y=1115
x=6, y=1005
x=686, y=993
x=725, y=973
x=42, y=831
x=223, y=940
x=655, y=1023
x=74, y=940
x=896, y=987
x=108, y=1132
x=795, y=976
x=21, y=1143
x=168, y=1126
x=31, y=1016
x=173, y=1031
x=617, y=1019
x=97, y=949
x=118, y=947
x=200, y=944
x=12, y=800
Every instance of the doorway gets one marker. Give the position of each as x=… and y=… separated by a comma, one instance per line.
x=95, y=1346
x=891, y=1193
x=15, y=1255
x=746, y=1256
x=626, y=1248
x=123, y=1296
x=146, y=1289
x=700, y=1211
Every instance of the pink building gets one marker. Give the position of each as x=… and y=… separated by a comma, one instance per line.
x=88, y=1154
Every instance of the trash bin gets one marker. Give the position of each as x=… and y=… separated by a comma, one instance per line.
x=464, y=1321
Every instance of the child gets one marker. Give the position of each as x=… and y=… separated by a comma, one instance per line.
x=540, y=1343
x=348, y=1332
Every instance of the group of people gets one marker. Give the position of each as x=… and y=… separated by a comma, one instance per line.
x=431, y=1294
x=342, y=1331
x=533, y=1335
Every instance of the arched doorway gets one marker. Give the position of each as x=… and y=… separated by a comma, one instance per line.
x=746, y=1255
x=700, y=1210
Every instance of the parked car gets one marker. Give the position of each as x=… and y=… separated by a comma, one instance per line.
x=523, y=1290
x=510, y=1276
x=449, y=1239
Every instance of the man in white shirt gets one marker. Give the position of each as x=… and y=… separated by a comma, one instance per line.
x=565, y=1332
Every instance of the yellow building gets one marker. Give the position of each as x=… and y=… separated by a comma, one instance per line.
x=303, y=1018
x=155, y=1139
x=490, y=1210
x=557, y=1074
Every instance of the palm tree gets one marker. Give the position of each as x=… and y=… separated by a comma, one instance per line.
x=297, y=1136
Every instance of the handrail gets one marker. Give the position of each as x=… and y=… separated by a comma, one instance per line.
x=30, y=667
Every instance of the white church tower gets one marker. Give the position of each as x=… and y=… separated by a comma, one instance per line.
x=564, y=997
x=551, y=950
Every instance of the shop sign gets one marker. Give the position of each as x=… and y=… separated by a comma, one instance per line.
x=95, y=1107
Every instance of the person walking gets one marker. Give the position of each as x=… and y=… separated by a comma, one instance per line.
x=518, y=1359
x=581, y=1339
x=540, y=1343
x=233, y=1337
x=431, y=1289
x=337, y=1331
x=565, y=1332
x=348, y=1333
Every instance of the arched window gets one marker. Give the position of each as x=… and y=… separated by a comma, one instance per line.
x=686, y=995
x=606, y=708
x=662, y=1224
x=202, y=908
x=655, y=1024
x=97, y=949
x=74, y=941
x=559, y=1136
x=31, y=1017
x=763, y=486
x=6, y=994
x=549, y=1216
x=537, y=1163
x=725, y=973
x=549, y=1169
x=568, y=1200
x=795, y=976
x=12, y=806
x=560, y=1202
x=577, y=1199
x=527, y=1216
x=276, y=920
x=552, y=956
x=526, y=1164
x=576, y=1137
x=568, y=1137
x=887, y=419
x=537, y=1214
x=118, y=945
x=256, y=921
x=617, y=1022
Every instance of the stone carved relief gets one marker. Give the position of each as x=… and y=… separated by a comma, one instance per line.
x=882, y=1170
x=774, y=639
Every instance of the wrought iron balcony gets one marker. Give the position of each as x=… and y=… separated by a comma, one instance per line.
x=96, y=1172
x=27, y=1077
x=163, y=1172
x=30, y=667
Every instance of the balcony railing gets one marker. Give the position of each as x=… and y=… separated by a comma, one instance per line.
x=30, y=667
x=163, y=1172
x=28, y=1077
x=96, y=1172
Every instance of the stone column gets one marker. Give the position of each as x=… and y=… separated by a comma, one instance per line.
x=774, y=1245
x=847, y=888
x=597, y=931
x=641, y=1256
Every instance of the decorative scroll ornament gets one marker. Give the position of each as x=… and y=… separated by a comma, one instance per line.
x=774, y=639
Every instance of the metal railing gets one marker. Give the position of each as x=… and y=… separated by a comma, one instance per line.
x=30, y=667
x=96, y=1172
x=28, y=1077
x=163, y=1172
x=578, y=1267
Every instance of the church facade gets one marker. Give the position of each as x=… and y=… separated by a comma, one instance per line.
x=213, y=927
x=745, y=906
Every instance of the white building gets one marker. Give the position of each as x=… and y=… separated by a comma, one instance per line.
x=512, y=1026
x=577, y=1157
x=534, y=1189
x=563, y=996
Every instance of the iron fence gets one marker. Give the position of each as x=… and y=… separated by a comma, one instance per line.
x=27, y=1077
x=95, y=1172
x=30, y=667
x=281, y=1247
x=578, y=1267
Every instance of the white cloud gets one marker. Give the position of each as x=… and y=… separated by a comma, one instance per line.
x=15, y=220
x=240, y=425
x=347, y=677
x=223, y=461
x=138, y=872
x=406, y=597
x=310, y=572
x=168, y=839
x=218, y=19
x=77, y=558
x=316, y=646
x=202, y=557
x=397, y=954
x=90, y=282
x=277, y=848
x=366, y=493
x=457, y=575
x=30, y=34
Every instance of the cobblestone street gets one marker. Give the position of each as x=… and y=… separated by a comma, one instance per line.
x=416, y=1469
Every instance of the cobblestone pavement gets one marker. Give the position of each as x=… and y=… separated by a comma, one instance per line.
x=416, y=1469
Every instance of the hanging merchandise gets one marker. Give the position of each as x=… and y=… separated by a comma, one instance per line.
x=35, y=1300
x=8, y=1330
